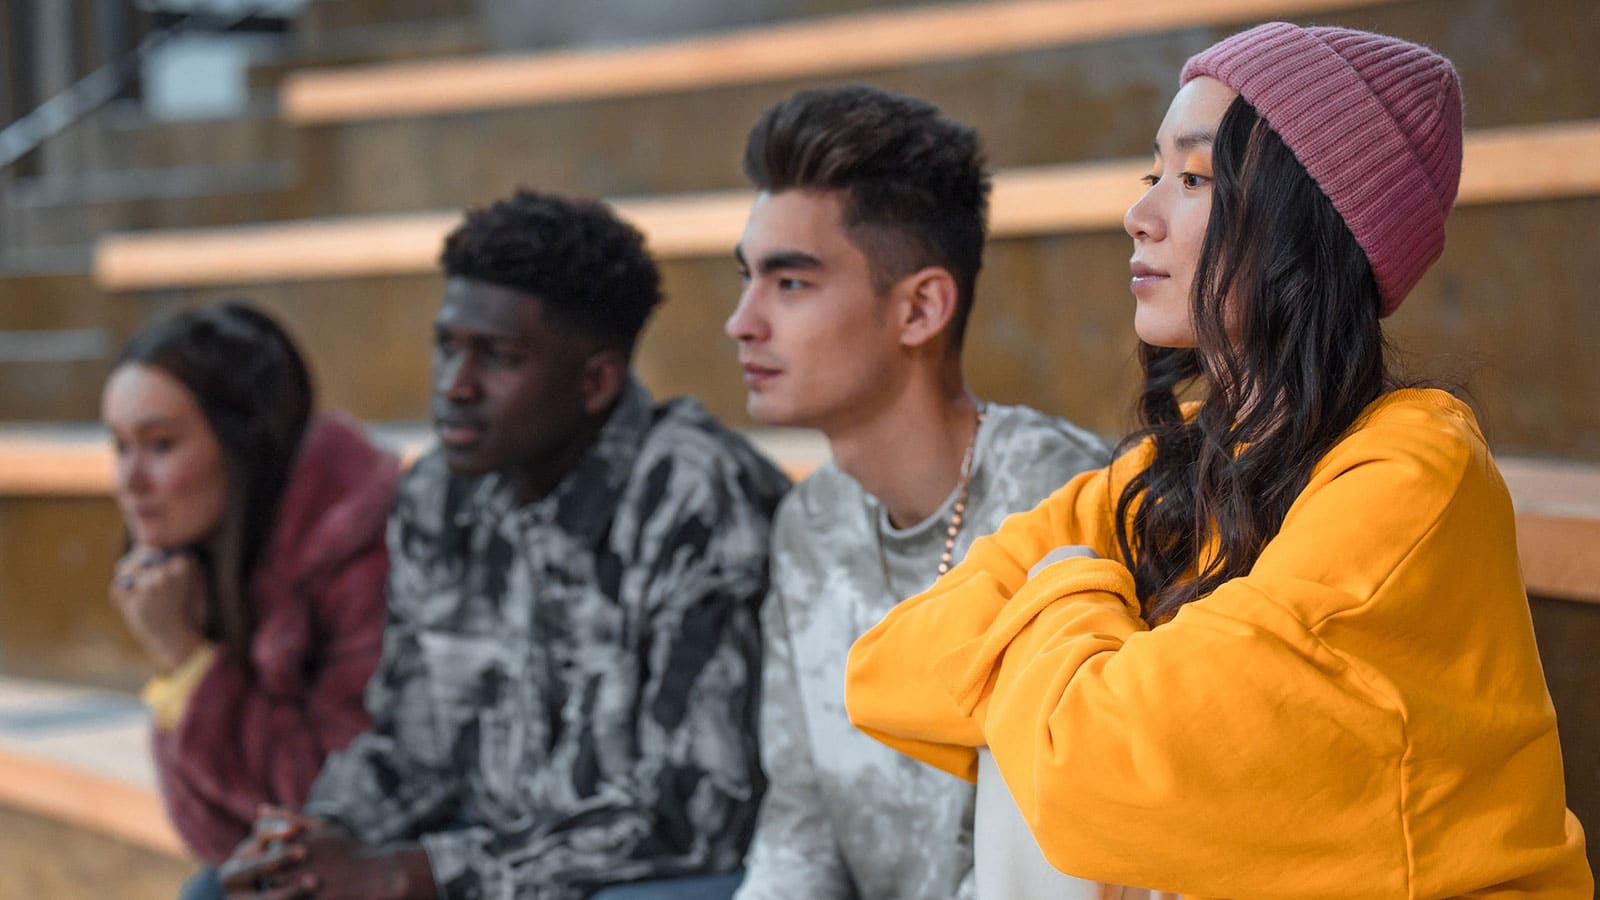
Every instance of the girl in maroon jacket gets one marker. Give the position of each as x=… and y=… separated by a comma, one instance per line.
x=255, y=578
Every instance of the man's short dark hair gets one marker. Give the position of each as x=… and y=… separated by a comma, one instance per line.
x=588, y=267
x=915, y=180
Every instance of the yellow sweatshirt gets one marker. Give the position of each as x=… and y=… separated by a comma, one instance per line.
x=1363, y=715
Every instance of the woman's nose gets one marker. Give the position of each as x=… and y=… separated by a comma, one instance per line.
x=1143, y=219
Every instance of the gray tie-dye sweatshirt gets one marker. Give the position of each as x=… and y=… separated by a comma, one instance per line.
x=567, y=691
x=845, y=816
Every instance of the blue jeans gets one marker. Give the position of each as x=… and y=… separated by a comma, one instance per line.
x=690, y=887
x=202, y=885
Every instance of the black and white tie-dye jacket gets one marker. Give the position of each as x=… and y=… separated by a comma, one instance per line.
x=567, y=695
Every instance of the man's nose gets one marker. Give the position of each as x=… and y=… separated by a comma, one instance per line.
x=744, y=324
x=458, y=379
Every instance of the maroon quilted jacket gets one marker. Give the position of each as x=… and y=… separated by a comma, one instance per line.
x=247, y=738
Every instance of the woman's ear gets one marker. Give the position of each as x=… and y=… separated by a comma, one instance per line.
x=605, y=371
x=927, y=305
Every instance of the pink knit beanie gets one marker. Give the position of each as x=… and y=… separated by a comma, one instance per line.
x=1374, y=119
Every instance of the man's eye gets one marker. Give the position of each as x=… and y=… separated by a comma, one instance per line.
x=792, y=284
x=503, y=356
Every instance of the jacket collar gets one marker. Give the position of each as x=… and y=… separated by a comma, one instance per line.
x=584, y=501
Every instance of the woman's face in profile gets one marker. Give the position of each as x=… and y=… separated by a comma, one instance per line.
x=1168, y=224
x=171, y=477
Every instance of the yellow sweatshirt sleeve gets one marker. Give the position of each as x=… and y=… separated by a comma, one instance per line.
x=1363, y=715
x=898, y=690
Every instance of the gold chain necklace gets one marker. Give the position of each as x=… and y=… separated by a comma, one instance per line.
x=958, y=513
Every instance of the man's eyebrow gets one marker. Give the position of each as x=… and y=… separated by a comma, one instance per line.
x=788, y=259
x=477, y=334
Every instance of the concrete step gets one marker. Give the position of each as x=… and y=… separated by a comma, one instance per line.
x=122, y=137
x=48, y=212
x=1094, y=100
x=58, y=334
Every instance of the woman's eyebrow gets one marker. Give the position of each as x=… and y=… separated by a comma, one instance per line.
x=1192, y=139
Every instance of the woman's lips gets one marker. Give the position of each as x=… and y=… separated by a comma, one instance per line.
x=1145, y=275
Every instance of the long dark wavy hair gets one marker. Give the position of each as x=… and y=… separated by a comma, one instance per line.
x=1282, y=274
x=254, y=390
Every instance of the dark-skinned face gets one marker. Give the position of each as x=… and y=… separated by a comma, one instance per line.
x=507, y=384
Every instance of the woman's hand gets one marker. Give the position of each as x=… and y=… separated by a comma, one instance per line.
x=162, y=597
x=1060, y=553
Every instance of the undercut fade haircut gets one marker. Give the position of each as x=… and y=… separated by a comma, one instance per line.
x=915, y=181
x=588, y=267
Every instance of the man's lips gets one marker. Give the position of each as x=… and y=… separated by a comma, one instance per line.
x=459, y=433
x=755, y=374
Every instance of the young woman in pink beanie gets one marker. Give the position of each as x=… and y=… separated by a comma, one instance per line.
x=1281, y=647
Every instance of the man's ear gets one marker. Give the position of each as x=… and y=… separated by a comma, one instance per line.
x=605, y=371
x=927, y=304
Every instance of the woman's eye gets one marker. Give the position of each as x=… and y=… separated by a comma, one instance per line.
x=1150, y=180
x=1191, y=180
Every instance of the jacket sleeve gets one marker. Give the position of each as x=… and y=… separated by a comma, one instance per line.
x=240, y=742
x=673, y=777
x=380, y=787
x=1270, y=732
x=795, y=854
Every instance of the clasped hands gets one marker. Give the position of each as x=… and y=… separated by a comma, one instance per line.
x=289, y=856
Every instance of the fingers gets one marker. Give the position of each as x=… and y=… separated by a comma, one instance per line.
x=304, y=886
x=282, y=822
x=143, y=560
x=253, y=866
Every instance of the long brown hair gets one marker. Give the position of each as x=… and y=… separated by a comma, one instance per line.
x=254, y=390
x=1306, y=358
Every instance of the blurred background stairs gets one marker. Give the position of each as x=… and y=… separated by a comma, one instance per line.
x=373, y=123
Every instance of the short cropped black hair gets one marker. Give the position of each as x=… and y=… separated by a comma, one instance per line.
x=916, y=180
x=587, y=266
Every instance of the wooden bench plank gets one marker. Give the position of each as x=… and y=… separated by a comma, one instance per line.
x=1558, y=503
x=128, y=812
x=825, y=46
x=1501, y=166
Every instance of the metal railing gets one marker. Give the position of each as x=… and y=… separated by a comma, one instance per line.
x=101, y=86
